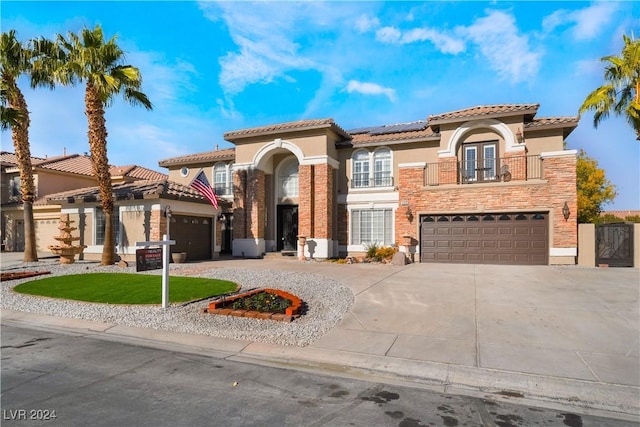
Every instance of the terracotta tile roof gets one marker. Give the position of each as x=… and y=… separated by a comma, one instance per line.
x=74, y=163
x=147, y=189
x=403, y=132
x=81, y=165
x=10, y=159
x=484, y=111
x=136, y=172
x=204, y=157
x=621, y=214
x=551, y=121
x=287, y=127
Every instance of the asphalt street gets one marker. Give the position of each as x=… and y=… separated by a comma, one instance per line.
x=73, y=379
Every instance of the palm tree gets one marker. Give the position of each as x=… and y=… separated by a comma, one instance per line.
x=16, y=60
x=620, y=94
x=86, y=57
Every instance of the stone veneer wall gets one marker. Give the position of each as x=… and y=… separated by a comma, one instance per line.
x=305, y=200
x=255, y=204
x=239, y=204
x=324, y=201
x=558, y=186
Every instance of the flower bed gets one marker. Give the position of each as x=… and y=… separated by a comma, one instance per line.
x=229, y=306
x=21, y=275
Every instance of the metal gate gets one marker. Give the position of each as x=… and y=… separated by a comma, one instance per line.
x=614, y=244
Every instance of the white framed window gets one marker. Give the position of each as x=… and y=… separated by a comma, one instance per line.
x=372, y=226
x=360, y=169
x=221, y=179
x=382, y=168
x=288, y=179
x=100, y=225
x=184, y=172
x=371, y=169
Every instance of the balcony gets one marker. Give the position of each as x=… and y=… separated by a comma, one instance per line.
x=378, y=180
x=521, y=168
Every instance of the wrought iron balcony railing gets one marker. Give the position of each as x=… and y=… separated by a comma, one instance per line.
x=521, y=168
x=371, y=182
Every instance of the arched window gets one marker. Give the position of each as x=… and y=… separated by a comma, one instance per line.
x=220, y=179
x=360, y=169
x=288, y=179
x=382, y=168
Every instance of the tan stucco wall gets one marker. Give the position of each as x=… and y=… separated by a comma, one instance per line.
x=587, y=245
x=49, y=183
x=544, y=141
x=311, y=143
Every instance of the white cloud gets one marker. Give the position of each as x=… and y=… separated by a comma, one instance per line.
x=586, y=23
x=266, y=42
x=388, y=35
x=370, y=89
x=496, y=35
x=443, y=42
x=364, y=23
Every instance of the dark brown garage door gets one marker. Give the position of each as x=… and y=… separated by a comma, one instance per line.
x=193, y=236
x=508, y=238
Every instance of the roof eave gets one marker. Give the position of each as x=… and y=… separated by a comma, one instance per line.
x=530, y=111
x=234, y=136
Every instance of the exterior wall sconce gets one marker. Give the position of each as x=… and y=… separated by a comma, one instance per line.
x=167, y=212
x=409, y=214
x=520, y=136
x=565, y=211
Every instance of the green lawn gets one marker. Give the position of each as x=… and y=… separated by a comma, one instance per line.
x=123, y=288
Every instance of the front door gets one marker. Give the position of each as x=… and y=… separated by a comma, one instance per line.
x=287, y=227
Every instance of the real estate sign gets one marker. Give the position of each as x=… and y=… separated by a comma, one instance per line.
x=148, y=259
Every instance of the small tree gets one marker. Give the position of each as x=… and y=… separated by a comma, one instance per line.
x=594, y=189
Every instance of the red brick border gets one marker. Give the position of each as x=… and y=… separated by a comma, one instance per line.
x=291, y=312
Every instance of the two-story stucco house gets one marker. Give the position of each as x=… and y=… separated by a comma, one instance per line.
x=488, y=184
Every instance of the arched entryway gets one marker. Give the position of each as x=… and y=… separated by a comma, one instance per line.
x=286, y=195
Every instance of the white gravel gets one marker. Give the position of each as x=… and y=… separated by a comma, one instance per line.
x=327, y=303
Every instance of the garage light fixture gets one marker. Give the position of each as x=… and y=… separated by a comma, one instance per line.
x=565, y=211
x=409, y=214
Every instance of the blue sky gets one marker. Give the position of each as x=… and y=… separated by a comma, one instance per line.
x=211, y=67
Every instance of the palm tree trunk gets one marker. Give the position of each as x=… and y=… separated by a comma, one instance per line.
x=94, y=109
x=20, y=136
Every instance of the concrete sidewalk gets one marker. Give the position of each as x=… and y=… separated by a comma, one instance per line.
x=562, y=336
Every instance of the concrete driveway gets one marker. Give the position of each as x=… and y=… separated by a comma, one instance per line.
x=558, y=334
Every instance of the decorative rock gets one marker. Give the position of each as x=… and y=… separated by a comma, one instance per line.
x=399, y=259
x=123, y=264
x=327, y=301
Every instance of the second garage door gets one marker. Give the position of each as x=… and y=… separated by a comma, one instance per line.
x=488, y=238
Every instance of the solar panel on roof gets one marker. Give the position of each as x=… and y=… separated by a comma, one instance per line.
x=358, y=131
x=401, y=127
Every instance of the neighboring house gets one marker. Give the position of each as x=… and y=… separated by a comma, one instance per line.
x=622, y=214
x=51, y=175
x=141, y=208
x=488, y=184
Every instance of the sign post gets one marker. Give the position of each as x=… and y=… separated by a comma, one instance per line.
x=165, y=243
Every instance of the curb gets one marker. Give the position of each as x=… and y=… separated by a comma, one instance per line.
x=612, y=400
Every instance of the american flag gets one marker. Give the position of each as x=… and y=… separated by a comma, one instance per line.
x=201, y=183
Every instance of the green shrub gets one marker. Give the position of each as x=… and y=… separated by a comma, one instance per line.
x=372, y=249
x=385, y=252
